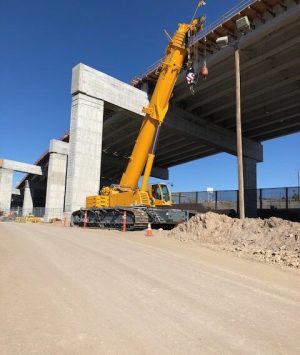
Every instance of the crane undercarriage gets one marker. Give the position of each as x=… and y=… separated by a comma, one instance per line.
x=137, y=218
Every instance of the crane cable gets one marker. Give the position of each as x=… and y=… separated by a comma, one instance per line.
x=193, y=54
x=200, y=4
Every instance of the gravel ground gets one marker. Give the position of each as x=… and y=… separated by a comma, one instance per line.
x=75, y=291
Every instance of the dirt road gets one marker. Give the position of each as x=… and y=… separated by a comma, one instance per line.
x=70, y=291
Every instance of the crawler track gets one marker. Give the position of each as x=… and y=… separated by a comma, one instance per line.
x=111, y=218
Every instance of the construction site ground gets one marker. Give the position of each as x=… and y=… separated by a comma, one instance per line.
x=74, y=291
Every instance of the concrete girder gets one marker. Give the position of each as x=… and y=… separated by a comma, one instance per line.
x=280, y=126
x=270, y=105
x=267, y=89
x=182, y=159
x=278, y=133
x=289, y=121
x=270, y=97
x=191, y=148
x=259, y=114
x=246, y=83
x=121, y=163
x=111, y=139
x=211, y=133
x=123, y=140
x=109, y=131
x=114, y=121
x=21, y=167
x=275, y=116
x=254, y=79
x=168, y=138
x=173, y=146
x=202, y=132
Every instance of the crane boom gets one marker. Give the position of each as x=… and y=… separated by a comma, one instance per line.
x=159, y=104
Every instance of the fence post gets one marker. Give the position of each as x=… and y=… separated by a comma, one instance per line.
x=196, y=204
x=286, y=198
x=179, y=198
x=216, y=200
x=260, y=199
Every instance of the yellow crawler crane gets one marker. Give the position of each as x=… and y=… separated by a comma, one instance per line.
x=107, y=209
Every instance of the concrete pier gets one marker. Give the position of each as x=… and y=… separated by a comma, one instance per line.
x=27, y=203
x=83, y=175
x=6, y=179
x=250, y=186
x=56, y=182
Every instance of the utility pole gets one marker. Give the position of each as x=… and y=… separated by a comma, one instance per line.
x=298, y=184
x=242, y=26
x=239, y=131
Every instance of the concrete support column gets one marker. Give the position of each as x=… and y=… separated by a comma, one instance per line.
x=56, y=184
x=27, y=202
x=6, y=180
x=250, y=185
x=85, y=147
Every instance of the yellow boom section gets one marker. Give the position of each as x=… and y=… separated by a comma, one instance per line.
x=159, y=103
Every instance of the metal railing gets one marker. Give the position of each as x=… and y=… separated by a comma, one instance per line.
x=227, y=16
x=206, y=30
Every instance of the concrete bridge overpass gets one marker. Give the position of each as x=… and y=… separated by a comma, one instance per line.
x=106, y=113
x=204, y=124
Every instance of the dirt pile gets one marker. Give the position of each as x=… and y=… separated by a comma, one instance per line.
x=272, y=240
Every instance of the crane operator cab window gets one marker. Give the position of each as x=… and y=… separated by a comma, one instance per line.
x=161, y=192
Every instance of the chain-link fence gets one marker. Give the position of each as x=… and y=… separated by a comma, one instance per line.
x=270, y=199
x=205, y=201
x=21, y=212
x=268, y=202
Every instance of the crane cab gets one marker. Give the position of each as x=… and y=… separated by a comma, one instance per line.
x=160, y=195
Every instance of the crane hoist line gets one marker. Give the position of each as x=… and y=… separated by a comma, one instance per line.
x=147, y=203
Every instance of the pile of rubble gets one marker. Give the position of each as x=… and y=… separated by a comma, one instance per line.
x=272, y=240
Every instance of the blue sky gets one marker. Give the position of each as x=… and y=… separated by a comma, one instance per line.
x=41, y=41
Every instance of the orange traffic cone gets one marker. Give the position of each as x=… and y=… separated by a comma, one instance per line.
x=149, y=231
